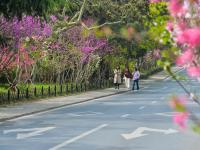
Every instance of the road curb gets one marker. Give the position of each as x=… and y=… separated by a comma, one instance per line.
x=61, y=106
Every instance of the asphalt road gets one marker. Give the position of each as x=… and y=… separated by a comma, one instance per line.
x=139, y=120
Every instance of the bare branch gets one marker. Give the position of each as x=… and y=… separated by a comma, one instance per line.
x=80, y=14
x=99, y=26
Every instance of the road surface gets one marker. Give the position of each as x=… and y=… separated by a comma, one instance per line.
x=140, y=120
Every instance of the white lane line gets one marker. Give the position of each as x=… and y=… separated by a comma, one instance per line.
x=87, y=113
x=164, y=88
x=154, y=102
x=142, y=107
x=162, y=98
x=146, y=87
x=78, y=137
x=166, y=114
x=124, y=116
x=118, y=103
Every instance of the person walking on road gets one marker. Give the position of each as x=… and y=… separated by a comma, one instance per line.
x=127, y=77
x=117, y=77
x=136, y=77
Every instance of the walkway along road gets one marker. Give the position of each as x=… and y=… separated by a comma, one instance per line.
x=139, y=120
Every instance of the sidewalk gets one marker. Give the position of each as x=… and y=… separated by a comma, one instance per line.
x=19, y=110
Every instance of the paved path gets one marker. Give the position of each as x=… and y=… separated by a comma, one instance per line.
x=128, y=121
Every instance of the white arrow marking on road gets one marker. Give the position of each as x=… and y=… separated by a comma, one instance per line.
x=78, y=137
x=139, y=132
x=154, y=102
x=32, y=132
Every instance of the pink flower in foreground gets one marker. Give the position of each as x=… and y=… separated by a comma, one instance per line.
x=170, y=26
x=176, y=7
x=180, y=118
x=190, y=36
x=181, y=26
x=184, y=58
x=194, y=71
x=178, y=103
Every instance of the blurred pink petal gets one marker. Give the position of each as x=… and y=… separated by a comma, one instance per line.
x=180, y=119
x=181, y=26
x=190, y=36
x=176, y=7
x=170, y=26
x=181, y=101
x=185, y=57
x=194, y=71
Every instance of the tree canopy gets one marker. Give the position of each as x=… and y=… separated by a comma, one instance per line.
x=11, y=8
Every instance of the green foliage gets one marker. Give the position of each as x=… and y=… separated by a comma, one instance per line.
x=196, y=129
x=11, y=8
x=108, y=10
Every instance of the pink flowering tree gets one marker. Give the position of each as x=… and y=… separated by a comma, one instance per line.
x=83, y=50
x=6, y=59
x=17, y=48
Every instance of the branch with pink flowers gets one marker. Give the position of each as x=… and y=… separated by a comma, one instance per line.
x=184, y=28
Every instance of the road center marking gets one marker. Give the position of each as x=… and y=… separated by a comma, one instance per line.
x=154, y=102
x=118, y=103
x=142, y=107
x=78, y=137
x=166, y=114
x=124, y=116
x=88, y=113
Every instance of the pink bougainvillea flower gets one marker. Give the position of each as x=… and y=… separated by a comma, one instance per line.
x=87, y=49
x=190, y=36
x=180, y=118
x=53, y=18
x=154, y=1
x=193, y=71
x=176, y=7
x=185, y=57
x=181, y=26
x=170, y=26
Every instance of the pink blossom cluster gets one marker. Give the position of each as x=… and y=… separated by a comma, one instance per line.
x=18, y=32
x=23, y=58
x=6, y=59
x=185, y=31
x=181, y=116
x=28, y=26
x=88, y=44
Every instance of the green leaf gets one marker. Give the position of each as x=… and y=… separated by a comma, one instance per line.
x=196, y=129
